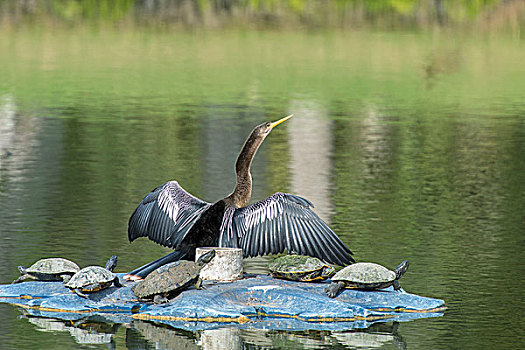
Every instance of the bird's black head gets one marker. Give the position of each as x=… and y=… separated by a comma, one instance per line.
x=264, y=129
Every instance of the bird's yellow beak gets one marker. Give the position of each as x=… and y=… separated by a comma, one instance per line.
x=274, y=124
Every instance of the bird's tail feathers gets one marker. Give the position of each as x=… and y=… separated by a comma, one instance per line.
x=145, y=270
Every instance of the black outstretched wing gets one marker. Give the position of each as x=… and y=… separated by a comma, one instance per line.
x=286, y=222
x=165, y=215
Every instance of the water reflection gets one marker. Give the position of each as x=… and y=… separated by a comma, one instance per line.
x=83, y=332
x=18, y=150
x=377, y=336
x=439, y=64
x=7, y=125
x=17, y=140
x=375, y=140
x=225, y=129
x=146, y=335
x=310, y=138
x=149, y=335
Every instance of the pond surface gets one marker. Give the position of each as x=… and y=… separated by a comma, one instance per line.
x=411, y=145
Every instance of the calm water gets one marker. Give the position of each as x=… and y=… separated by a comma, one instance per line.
x=412, y=145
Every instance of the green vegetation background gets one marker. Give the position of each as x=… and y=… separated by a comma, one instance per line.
x=486, y=14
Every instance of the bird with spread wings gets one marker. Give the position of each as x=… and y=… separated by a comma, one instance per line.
x=174, y=218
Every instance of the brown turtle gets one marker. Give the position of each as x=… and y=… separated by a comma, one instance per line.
x=168, y=280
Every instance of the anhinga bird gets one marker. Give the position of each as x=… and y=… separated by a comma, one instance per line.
x=174, y=218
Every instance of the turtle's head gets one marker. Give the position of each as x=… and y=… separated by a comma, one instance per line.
x=206, y=258
x=111, y=263
x=22, y=269
x=401, y=269
x=328, y=271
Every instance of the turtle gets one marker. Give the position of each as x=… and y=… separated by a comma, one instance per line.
x=50, y=269
x=367, y=276
x=168, y=280
x=301, y=268
x=94, y=278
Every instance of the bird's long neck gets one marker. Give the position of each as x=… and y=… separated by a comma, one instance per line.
x=242, y=193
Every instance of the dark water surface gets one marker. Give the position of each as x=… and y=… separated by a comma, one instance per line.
x=412, y=146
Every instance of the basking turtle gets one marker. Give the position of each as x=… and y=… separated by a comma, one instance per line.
x=300, y=268
x=168, y=280
x=94, y=278
x=50, y=269
x=368, y=276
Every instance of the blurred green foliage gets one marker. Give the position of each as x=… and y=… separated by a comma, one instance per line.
x=270, y=13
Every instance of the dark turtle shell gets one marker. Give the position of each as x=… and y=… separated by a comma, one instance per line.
x=169, y=278
x=49, y=269
x=300, y=268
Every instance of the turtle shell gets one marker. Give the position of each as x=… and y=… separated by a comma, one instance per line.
x=54, y=266
x=50, y=269
x=91, y=275
x=168, y=278
x=366, y=276
x=300, y=268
